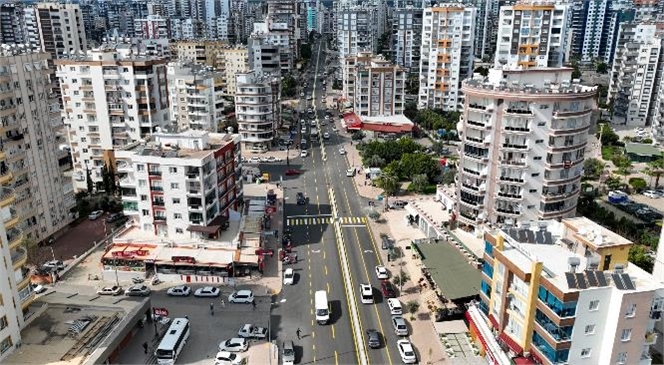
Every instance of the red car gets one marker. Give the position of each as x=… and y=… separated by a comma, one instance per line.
x=291, y=172
x=387, y=289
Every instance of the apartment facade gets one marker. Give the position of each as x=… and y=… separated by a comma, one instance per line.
x=533, y=34
x=407, y=37
x=56, y=28
x=447, y=55
x=565, y=292
x=256, y=110
x=235, y=61
x=270, y=49
x=374, y=85
x=112, y=98
x=152, y=27
x=181, y=185
x=358, y=28
x=203, y=51
x=523, y=139
x=12, y=24
x=196, y=94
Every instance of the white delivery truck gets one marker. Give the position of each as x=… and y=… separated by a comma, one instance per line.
x=314, y=131
x=322, y=307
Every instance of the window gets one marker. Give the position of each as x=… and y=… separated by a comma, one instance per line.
x=585, y=352
x=144, y=198
x=3, y=323
x=594, y=305
x=179, y=230
x=175, y=186
x=631, y=310
x=6, y=344
x=145, y=212
x=176, y=200
x=173, y=170
x=142, y=183
x=177, y=215
x=140, y=167
x=622, y=358
x=535, y=174
x=590, y=329
x=626, y=334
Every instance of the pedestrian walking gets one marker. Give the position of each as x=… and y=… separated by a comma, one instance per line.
x=253, y=305
x=145, y=347
x=295, y=257
x=223, y=304
x=212, y=309
x=298, y=332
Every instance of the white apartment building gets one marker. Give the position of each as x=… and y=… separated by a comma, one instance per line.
x=56, y=28
x=358, y=29
x=152, y=27
x=374, y=85
x=533, y=34
x=600, y=25
x=407, y=37
x=235, y=61
x=447, y=55
x=256, y=110
x=196, y=94
x=180, y=185
x=112, y=97
x=35, y=144
x=523, y=140
x=271, y=49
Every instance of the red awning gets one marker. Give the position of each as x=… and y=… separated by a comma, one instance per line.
x=493, y=321
x=352, y=121
x=523, y=361
x=511, y=343
x=388, y=128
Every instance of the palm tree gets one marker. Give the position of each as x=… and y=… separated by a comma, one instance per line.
x=656, y=169
x=389, y=184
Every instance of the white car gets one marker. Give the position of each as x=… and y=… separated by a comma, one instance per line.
x=179, y=291
x=326, y=135
x=54, y=265
x=227, y=358
x=110, y=290
x=350, y=172
x=207, y=291
x=381, y=273
x=289, y=276
x=407, y=352
x=304, y=153
x=302, y=94
x=251, y=331
x=304, y=129
x=139, y=290
x=96, y=214
x=38, y=289
x=273, y=159
x=235, y=344
x=652, y=194
x=254, y=160
x=366, y=294
x=313, y=122
x=241, y=296
x=395, y=306
x=327, y=117
x=342, y=151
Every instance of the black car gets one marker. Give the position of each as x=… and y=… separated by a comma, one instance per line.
x=114, y=217
x=301, y=200
x=373, y=338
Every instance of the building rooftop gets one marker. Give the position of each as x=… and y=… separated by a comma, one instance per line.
x=534, y=80
x=187, y=144
x=595, y=234
x=195, y=71
x=642, y=149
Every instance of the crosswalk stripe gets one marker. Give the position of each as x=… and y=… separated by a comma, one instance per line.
x=325, y=220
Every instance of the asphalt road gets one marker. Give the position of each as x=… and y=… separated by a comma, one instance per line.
x=317, y=248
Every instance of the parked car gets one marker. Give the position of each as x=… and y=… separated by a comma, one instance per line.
x=304, y=153
x=292, y=172
x=350, y=172
x=179, y=291
x=138, y=291
x=300, y=198
x=254, y=160
x=38, y=289
x=396, y=204
x=373, y=339
x=408, y=355
x=227, y=358
x=241, y=296
x=54, y=265
x=275, y=159
x=326, y=135
x=395, y=306
x=110, y=290
x=387, y=289
x=399, y=325
x=251, y=331
x=652, y=194
x=342, y=151
x=381, y=273
x=115, y=217
x=289, y=276
x=235, y=344
x=207, y=291
x=288, y=353
x=96, y=214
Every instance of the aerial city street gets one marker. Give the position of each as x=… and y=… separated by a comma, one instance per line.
x=231, y=182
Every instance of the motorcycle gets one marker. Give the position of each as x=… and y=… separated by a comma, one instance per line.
x=156, y=281
x=137, y=280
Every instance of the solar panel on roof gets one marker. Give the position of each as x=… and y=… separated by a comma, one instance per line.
x=601, y=279
x=592, y=279
x=581, y=281
x=571, y=281
x=617, y=281
x=539, y=237
x=531, y=236
x=629, y=285
x=548, y=239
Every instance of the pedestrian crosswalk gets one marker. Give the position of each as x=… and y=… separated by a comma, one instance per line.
x=312, y=221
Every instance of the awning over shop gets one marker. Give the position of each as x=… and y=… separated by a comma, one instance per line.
x=388, y=128
x=352, y=121
x=219, y=222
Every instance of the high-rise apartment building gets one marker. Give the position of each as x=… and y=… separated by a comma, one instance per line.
x=181, y=185
x=152, y=27
x=637, y=73
x=533, y=34
x=271, y=49
x=374, y=85
x=256, y=110
x=482, y=18
x=35, y=145
x=196, y=93
x=358, y=29
x=56, y=28
x=112, y=97
x=448, y=32
x=565, y=292
x=292, y=14
x=407, y=37
x=235, y=61
x=201, y=51
x=523, y=141
x=12, y=24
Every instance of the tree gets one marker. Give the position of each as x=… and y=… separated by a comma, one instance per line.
x=288, y=86
x=375, y=161
x=410, y=110
x=482, y=71
x=88, y=180
x=448, y=177
x=418, y=164
x=413, y=84
x=638, y=255
x=607, y=136
x=638, y=183
x=613, y=183
x=576, y=73
x=592, y=168
x=419, y=183
x=656, y=169
x=357, y=136
x=384, y=45
x=412, y=306
x=601, y=68
x=305, y=51
x=400, y=278
x=108, y=179
x=389, y=184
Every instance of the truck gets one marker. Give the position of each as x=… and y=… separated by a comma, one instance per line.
x=251, y=331
x=314, y=131
x=322, y=307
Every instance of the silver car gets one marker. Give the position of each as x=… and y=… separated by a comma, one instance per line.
x=288, y=353
x=400, y=327
x=138, y=291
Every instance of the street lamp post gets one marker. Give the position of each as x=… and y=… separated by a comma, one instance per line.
x=52, y=253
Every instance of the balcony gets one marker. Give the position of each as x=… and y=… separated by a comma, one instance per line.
x=158, y=203
x=12, y=220
x=508, y=211
x=157, y=188
x=14, y=237
x=512, y=179
x=25, y=281
x=516, y=162
x=27, y=296
x=160, y=219
x=512, y=196
x=154, y=172
x=550, y=196
x=19, y=257
x=515, y=146
x=7, y=196
x=477, y=141
x=478, y=125
x=509, y=129
x=5, y=176
x=518, y=111
x=650, y=338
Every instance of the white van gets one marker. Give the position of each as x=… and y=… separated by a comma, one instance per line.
x=322, y=308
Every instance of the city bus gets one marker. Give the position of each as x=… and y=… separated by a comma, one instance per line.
x=173, y=341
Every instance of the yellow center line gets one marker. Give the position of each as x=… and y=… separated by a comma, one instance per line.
x=333, y=334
